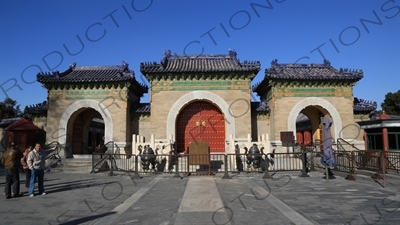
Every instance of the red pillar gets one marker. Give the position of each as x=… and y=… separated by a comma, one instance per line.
x=385, y=139
x=299, y=136
x=307, y=137
x=385, y=146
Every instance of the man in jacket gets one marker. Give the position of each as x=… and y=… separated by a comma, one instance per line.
x=12, y=162
x=36, y=162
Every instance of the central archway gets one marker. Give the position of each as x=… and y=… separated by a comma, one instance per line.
x=201, y=95
x=200, y=121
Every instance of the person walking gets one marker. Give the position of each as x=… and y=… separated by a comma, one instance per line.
x=24, y=162
x=36, y=163
x=12, y=162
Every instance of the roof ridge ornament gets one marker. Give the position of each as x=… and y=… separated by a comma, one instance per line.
x=274, y=62
x=72, y=65
x=232, y=53
x=326, y=62
x=125, y=65
x=166, y=56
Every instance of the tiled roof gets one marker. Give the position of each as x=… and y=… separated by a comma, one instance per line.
x=324, y=71
x=143, y=108
x=200, y=63
x=39, y=109
x=260, y=106
x=383, y=116
x=311, y=72
x=22, y=125
x=7, y=122
x=387, y=116
x=89, y=74
x=360, y=105
x=302, y=118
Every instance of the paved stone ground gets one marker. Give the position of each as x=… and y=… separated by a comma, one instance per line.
x=244, y=199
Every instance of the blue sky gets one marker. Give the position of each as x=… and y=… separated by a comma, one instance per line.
x=43, y=35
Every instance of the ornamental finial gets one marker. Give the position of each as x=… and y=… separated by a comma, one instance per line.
x=166, y=56
x=167, y=53
x=232, y=53
x=125, y=64
x=72, y=65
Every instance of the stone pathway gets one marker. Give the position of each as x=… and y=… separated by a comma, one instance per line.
x=244, y=199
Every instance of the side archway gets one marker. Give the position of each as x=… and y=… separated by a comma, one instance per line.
x=200, y=95
x=314, y=101
x=87, y=103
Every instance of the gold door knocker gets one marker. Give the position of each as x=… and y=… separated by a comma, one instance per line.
x=200, y=123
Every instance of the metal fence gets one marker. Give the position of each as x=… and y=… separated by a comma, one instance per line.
x=52, y=150
x=200, y=164
x=380, y=162
x=344, y=161
x=393, y=159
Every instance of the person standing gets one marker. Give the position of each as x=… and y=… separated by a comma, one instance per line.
x=24, y=162
x=36, y=162
x=12, y=162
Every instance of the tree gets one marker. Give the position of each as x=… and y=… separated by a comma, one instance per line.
x=9, y=109
x=391, y=104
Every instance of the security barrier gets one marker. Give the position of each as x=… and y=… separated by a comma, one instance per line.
x=205, y=164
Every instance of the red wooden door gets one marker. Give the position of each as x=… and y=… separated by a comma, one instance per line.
x=201, y=121
x=307, y=137
x=77, y=135
x=299, y=136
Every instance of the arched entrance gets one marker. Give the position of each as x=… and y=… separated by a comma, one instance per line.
x=65, y=130
x=321, y=105
x=69, y=115
x=308, y=125
x=86, y=127
x=201, y=95
x=200, y=121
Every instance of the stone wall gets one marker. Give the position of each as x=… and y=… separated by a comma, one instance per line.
x=341, y=106
x=236, y=108
x=65, y=105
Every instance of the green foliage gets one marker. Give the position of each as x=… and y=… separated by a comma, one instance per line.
x=391, y=104
x=9, y=109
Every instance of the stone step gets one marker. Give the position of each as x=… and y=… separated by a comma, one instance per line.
x=73, y=162
x=73, y=165
x=62, y=169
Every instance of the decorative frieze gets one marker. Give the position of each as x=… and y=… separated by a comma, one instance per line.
x=182, y=85
x=78, y=93
x=316, y=91
x=86, y=92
